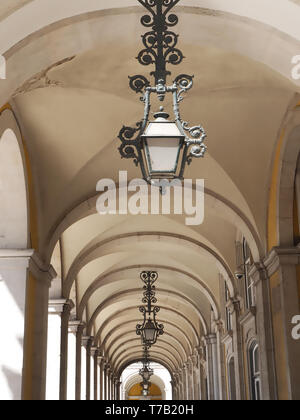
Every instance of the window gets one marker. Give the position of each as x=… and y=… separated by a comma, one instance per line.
x=249, y=286
x=255, y=383
x=227, y=311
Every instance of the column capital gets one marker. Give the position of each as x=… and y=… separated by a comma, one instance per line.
x=68, y=306
x=195, y=361
x=218, y=325
x=87, y=341
x=258, y=272
x=100, y=358
x=279, y=256
x=211, y=339
x=30, y=259
x=40, y=270
x=93, y=351
x=73, y=326
x=56, y=306
x=234, y=305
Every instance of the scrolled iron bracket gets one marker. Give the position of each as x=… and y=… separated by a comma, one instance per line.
x=160, y=49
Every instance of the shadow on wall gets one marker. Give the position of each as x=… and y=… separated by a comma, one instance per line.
x=13, y=380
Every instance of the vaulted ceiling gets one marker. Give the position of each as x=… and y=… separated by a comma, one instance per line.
x=68, y=85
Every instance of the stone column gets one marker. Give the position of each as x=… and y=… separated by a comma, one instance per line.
x=237, y=338
x=88, y=367
x=185, y=381
x=108, y=372
x=177, y=385
x=196, y=378
x=42, y=274
x=190, y=379
x=260, y=279
x=219, y=330
x=203, y=371
x=105, y=368
x=115, y=388
x=72, y=344
x=183, y=384
x=55, y=309
x=119, y=383
x=68, y=306
x=24, y=295
x=212, y=361
x=96, y=379
x=112, y=385
x=13, y=282
x=101, y=376
x=174, y=385
x=286, y=261
x=79, y=336
x=84, y=346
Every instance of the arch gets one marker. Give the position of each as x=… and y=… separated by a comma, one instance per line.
x=253, y=354
x=88, y=256
x=162, y=292
x=119, y=337
x=105, y=278
x=231, y=378
x=135, y=378
x=135, y=360
x=136, y=320
x=14, y=226
x=138, y=344
x=181, y=332
x=282, y=182
x=253, y=18
x=154, y=356
x=156, y=349
x=154, y=391
x=287, y=176
x=224, y=208
x=187, y=321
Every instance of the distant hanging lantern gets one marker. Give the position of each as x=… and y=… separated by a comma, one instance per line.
x=150, y=329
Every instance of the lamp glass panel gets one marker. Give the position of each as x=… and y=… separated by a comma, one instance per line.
x=150, y=331
x=162, y=154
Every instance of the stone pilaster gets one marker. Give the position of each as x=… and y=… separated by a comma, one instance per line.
x=285, y=261
x=212, y=362
x=237, y=338
x=259, y=275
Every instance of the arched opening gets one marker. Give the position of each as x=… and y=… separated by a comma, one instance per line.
x=13, y=274
x=13, y=192
x=255, y=374
x=231, y=379
x=135, y=393
x=160, y=383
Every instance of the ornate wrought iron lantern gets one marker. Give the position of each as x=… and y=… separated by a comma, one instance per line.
x=161, y=148
x=150, y=329
x=146, y=372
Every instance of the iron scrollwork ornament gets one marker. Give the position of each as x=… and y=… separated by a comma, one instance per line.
x=160, y=49
x=150, y=329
